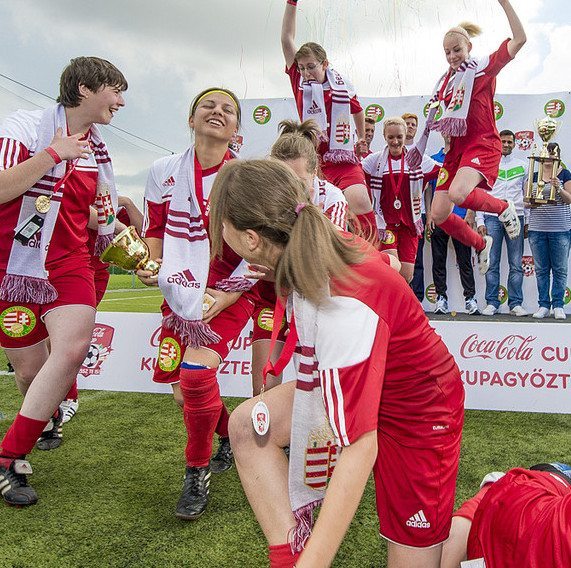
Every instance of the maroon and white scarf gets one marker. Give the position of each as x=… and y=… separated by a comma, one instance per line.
x=341, y=133
x=453, y=120
x=26, y=277
x=416, y=183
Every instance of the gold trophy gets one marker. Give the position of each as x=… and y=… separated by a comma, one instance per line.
x=129, y=252
x=546, y=128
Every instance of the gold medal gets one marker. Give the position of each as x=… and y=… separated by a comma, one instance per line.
x=43, y=204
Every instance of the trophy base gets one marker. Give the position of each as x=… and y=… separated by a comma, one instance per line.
x=552, y=201
x=540, y=201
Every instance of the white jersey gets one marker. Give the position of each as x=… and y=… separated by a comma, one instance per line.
x=332, y=201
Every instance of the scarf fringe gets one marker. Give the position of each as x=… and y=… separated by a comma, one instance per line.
x=101, y=243
x=414, y=158
x=340, y=157
x=419, y=226
x=451, y=126
x=27, y=289
x=234, y=284
x=303, y=525
x=194, y=334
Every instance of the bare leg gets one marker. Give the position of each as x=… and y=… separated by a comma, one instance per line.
x=441, y=206
x=454, y=550
x=260, y=354
x=406, y=557
x=27, y=363
x=407, y=270
x=358, y=199
x=177, y=395
x=262, y=464
x=465, y=180
x=70, y=329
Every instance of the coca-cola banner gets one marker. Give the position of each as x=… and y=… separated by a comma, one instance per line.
x=523, y=367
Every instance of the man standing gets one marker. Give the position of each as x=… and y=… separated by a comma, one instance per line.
x=53, y=166
x=509, y=186
x=363, y=149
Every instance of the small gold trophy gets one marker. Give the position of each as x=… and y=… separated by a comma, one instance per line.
x=546, y=128
x=129, y=252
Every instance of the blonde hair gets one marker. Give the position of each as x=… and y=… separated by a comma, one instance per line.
x=311, y=49
x=466, y=29
x=297, y=140
x=265, y=196
x=394, y=121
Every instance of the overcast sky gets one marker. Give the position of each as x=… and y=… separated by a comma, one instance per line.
x=171, y=49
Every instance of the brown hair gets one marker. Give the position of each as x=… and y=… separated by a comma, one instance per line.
x=409, y=115
x=297, y=140
x=262, y=195
x=370, y=120
x=394, y=121
x=311, y=49
x=93, y=73
x=228, y=92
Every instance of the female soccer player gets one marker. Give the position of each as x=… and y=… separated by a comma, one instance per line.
x=374, y=379
x=193, y=343
x=397, y=193
x=470, y=169
x=327, y=97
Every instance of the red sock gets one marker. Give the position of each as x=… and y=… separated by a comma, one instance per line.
x=481, y=200
x=457, y=228
x=21, y=436
x=222, y=426
x=366, y=227
x=281, y=556
x=72, y=394
x=201, y=411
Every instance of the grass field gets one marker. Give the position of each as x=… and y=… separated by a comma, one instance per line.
x=107, y=496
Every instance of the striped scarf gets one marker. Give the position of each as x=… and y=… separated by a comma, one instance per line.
x=26, y=278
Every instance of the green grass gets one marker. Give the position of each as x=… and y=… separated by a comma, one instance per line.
x=107, y=496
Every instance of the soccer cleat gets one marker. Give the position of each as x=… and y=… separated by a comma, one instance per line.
x=224, y=457
x=541, y=313
x=14, y=486
x=472, y=307
x=441, y=305
x=559, y=314
x=195, y=491
x=489, y=310
x=510, y=221
x=518, y=311
x=69, y=408
x=484, y=255
x=51, y=437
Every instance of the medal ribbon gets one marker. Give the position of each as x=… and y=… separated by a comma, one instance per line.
x=396, y=188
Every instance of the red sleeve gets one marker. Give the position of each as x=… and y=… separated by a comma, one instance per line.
x=12, y=153
x=155, y=220
x=499, y=59
x=355, y=105
x=294, y=76
x=432, y=174
x=385, y=257
x=123, y=216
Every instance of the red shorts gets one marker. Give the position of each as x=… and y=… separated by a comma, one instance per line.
x=263, y=317
x=343, y=175
x=228, y=325
x=403, y=239
x=480, y=157
x=101, y=280
x=22, y=325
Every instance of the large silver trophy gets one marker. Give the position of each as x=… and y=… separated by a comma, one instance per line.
x=546, y=128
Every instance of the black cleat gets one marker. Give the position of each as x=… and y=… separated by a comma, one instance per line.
x=14, y=486
x=51, y=437
x=195, y=491
x=224, y=457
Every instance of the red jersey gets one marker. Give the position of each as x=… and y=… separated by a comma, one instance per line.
x=481, y=120
x=296, y=79
x=158, y=194
x=69, y=239
x=523, y=520
x=381, y=365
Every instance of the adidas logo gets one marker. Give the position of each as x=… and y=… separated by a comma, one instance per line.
x=475, y=160
x=313, y=109
x=418, y=521
x=169, y=182
x=184, y=279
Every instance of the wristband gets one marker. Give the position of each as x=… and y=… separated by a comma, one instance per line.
x=55, y=156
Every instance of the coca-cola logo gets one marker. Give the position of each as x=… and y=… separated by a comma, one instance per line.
x=155, y=337
x=512, y=347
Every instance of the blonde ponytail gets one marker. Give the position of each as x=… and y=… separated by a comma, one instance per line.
x=466, y=29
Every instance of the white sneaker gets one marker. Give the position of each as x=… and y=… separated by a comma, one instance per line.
x=489, y=310
x=541, y=313
x=518, y=311
x=484, y=255
x=472, y=307
x=69, y=408
x=441, y=305
x=559, y=314
x=510, y=221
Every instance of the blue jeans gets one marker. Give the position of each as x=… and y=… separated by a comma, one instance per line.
x=550, y=255
x=515, y=251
